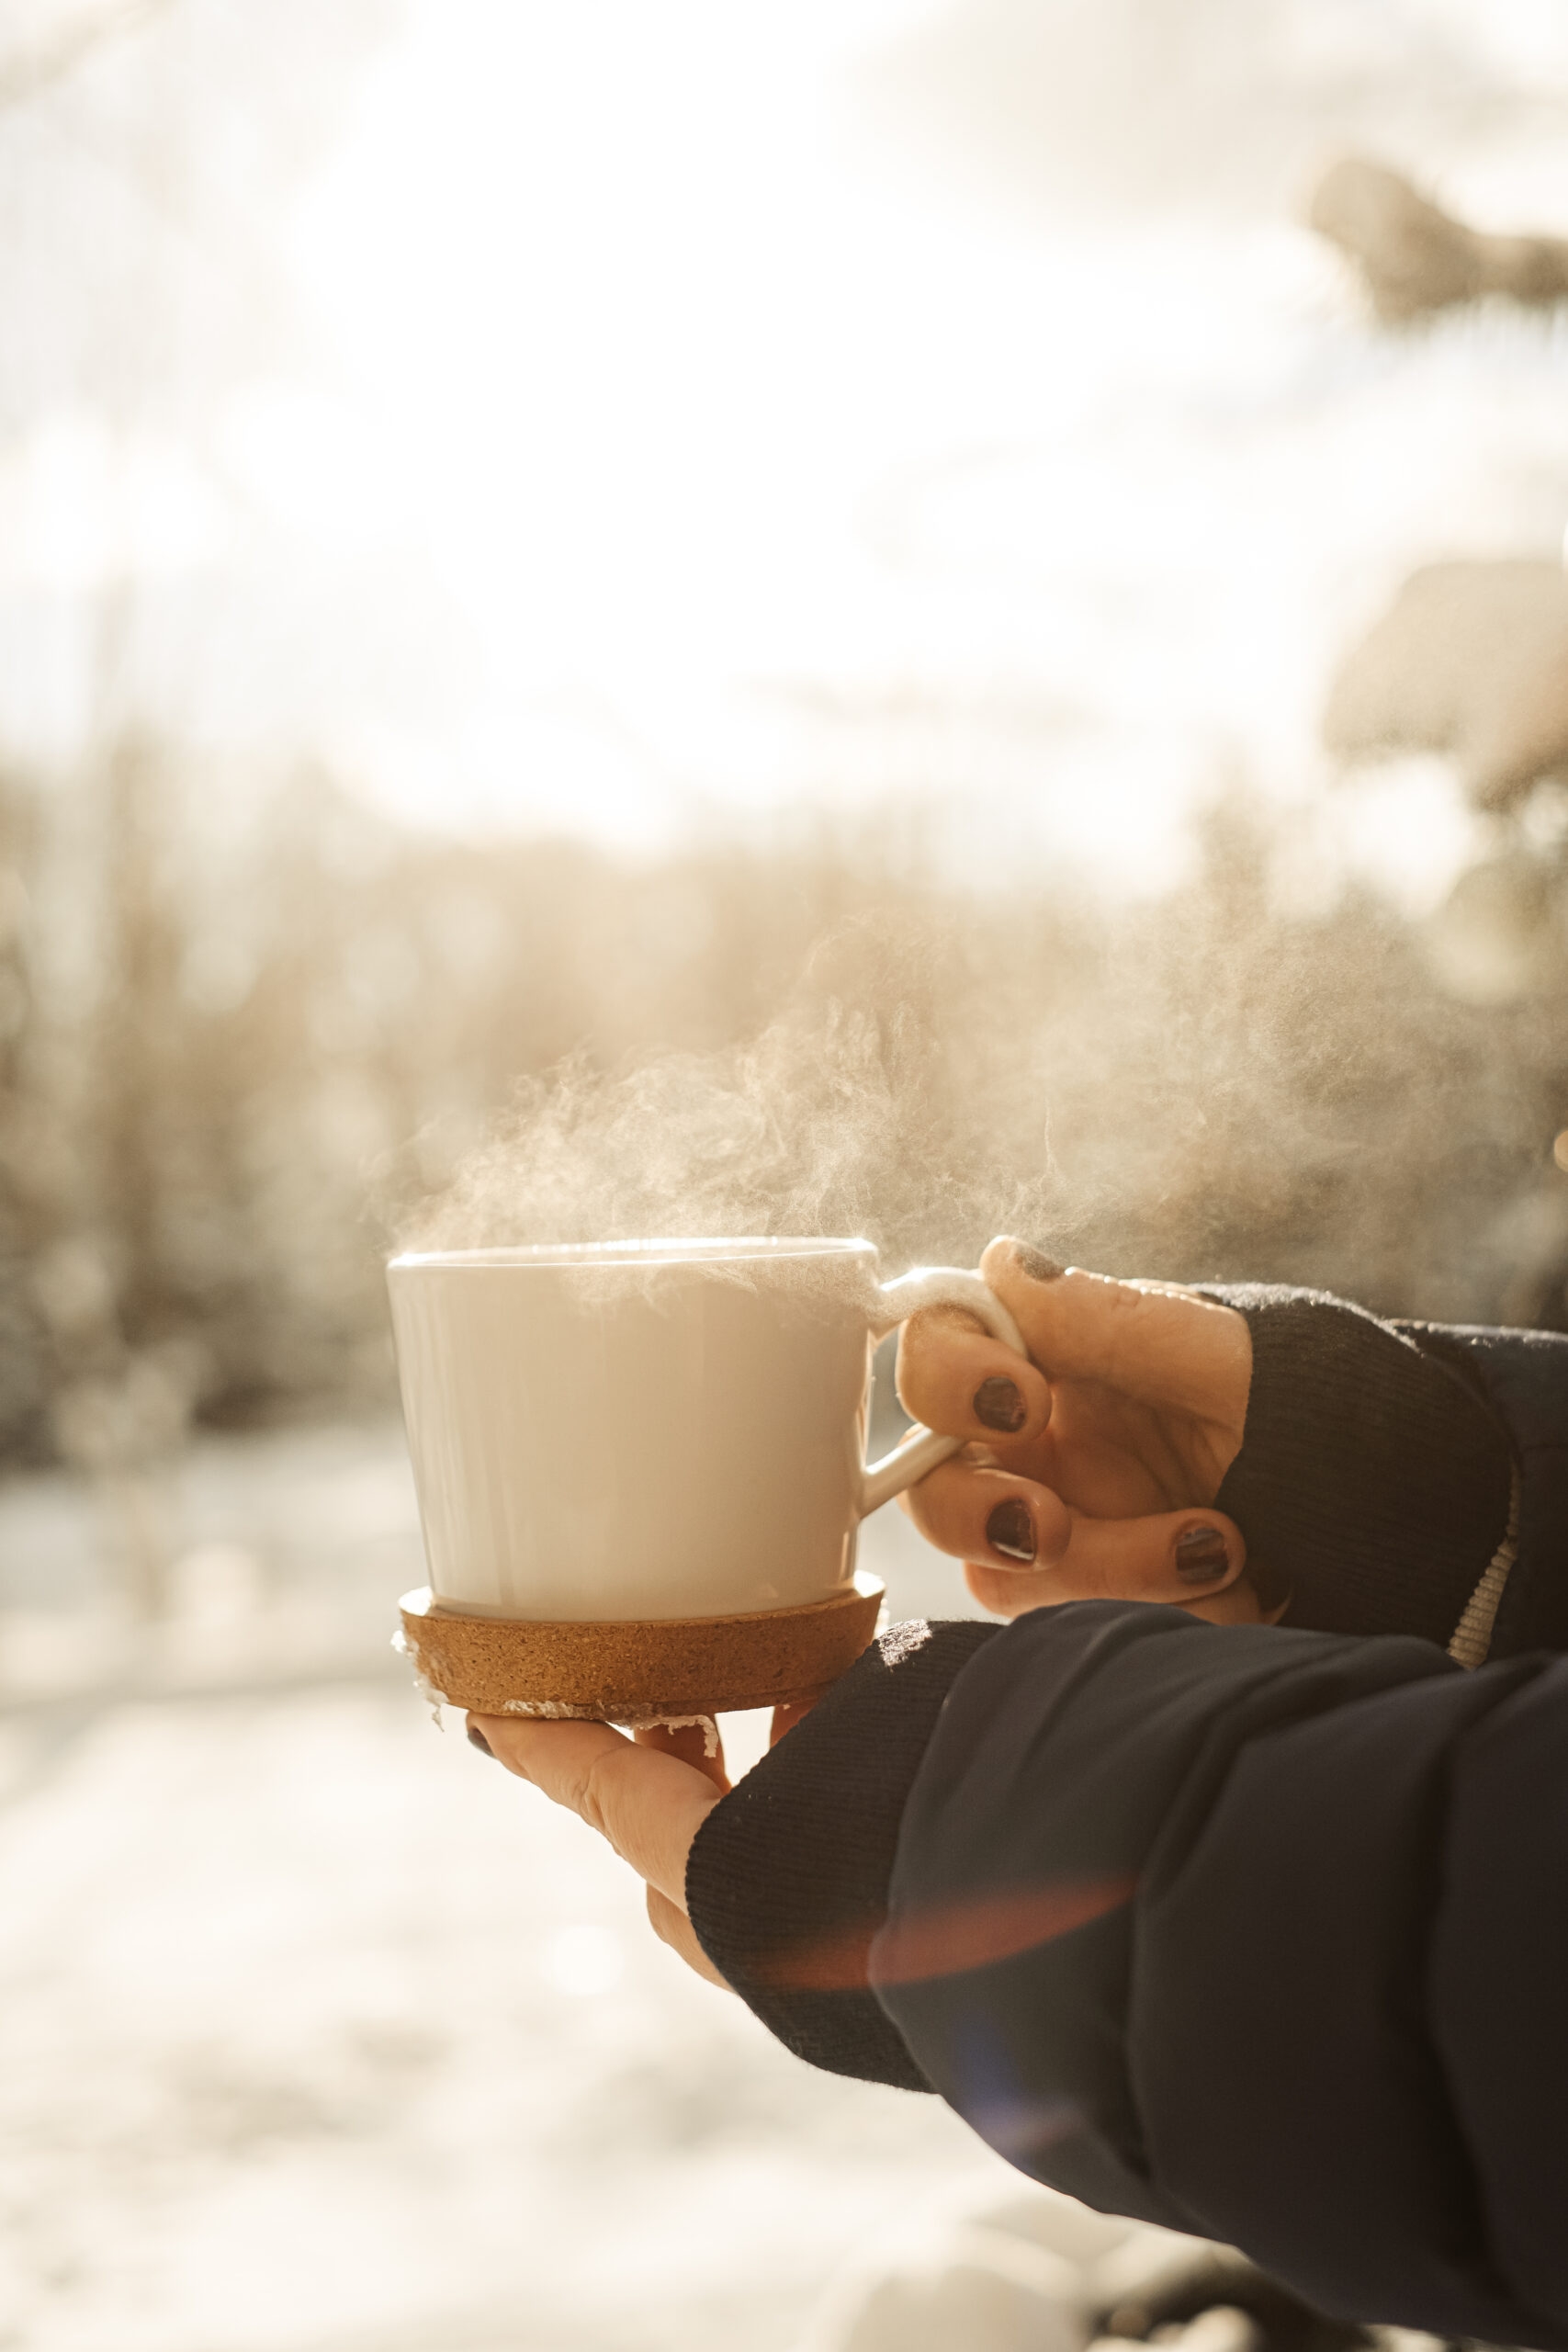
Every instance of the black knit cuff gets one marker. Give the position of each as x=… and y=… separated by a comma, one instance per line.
x=787, y=1881
x=1372, y=1481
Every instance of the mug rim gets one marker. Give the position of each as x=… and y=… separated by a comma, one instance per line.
x=691, y=1251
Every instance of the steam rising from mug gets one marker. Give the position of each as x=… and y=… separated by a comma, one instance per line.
x=1239, y=1079
x=842, y=1116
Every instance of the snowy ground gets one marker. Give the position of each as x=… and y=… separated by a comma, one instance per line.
x=316, y=2032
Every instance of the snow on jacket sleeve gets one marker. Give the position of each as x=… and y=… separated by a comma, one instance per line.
x=1262, y=1935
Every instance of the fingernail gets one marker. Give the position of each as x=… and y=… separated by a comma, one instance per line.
x=1035, y=1263
x=1201, y=1554
x=999, y=1402
x=476, y=1739
x=1010, y=1530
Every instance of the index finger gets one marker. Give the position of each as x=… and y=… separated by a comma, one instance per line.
x=646, y=1802
x=954, y=1376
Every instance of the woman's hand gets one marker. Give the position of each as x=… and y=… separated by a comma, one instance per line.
x=648, y=1795
x=1090, y=1470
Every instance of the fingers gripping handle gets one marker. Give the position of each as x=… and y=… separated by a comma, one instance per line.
x=944, y=1286
x=919, y=1451
x=922, y=1449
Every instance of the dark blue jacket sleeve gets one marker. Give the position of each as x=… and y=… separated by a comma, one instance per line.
x=1261, y=1934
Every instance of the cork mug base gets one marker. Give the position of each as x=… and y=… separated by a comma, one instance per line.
x=639, y=1672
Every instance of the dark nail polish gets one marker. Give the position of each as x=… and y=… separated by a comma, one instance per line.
x=1035, y=1263
x=1010, y=1530
x=1201, y=1554
x=476, y=1739
x=999, y=1402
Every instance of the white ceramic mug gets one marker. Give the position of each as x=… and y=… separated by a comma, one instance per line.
x=634, y=1430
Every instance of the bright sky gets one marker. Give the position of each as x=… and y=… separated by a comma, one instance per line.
x=671, y=441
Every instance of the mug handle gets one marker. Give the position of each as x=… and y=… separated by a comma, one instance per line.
x=922, y=1449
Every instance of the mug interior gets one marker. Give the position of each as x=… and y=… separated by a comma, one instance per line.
x=756, y=1249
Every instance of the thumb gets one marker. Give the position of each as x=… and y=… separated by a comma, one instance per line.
x=1155, y=1342
x=647, y=1804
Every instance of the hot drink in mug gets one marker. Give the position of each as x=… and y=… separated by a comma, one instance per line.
x=614, y=1431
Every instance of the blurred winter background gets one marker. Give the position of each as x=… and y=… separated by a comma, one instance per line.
x=532, y=531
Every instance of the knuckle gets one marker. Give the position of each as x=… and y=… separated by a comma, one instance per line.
x=945, y=1315
x=1012, y=1593
x=596, y=1791
x=915, y=1503
x=1079, y=1575
x=925, y=1509
x=926, y=1350
x=1125, y=1317
x=923, y=1339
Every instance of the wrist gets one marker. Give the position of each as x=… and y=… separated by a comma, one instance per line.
x=787, y=1882
x=1370, y=1483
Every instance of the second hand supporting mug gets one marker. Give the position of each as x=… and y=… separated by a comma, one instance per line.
x=632, y=1432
